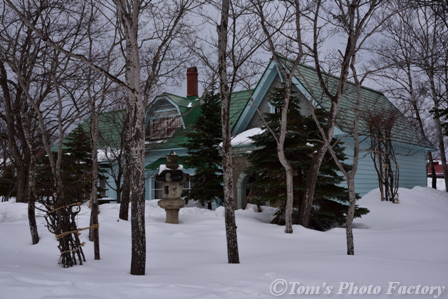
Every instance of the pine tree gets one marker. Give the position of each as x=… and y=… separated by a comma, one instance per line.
x=203, y=150
x=301, y=141
x=77, y=163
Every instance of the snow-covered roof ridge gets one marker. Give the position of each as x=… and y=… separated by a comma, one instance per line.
x=243, y=138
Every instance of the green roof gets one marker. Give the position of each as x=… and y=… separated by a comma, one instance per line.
x=373, y=102
x=180, y=101
x=238, y=102
x=190, y=110
x=110, y=126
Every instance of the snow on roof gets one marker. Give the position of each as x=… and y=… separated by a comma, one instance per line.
x=101, y=155
x=243, y=138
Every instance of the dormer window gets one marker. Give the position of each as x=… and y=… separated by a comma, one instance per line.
x=165, y=127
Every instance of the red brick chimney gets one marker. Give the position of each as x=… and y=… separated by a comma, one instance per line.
x=192, y=82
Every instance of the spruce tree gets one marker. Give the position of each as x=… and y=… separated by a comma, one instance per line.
x=204, y=156
x=76, y=168
x=77, y=162
x=301, y=142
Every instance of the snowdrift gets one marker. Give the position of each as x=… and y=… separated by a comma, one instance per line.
x=400, y=252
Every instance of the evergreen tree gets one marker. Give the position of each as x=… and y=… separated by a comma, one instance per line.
x=203, y=153
x=301, y=142
x=77, y=162
x=76, y=168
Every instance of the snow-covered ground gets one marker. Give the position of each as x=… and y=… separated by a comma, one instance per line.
x=440, y=184
x=396, y=246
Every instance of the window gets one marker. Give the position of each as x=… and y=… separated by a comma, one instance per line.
x=277, y=110
x=157, y=189
x=188, y=184
x=165, y=127
x=102, y=188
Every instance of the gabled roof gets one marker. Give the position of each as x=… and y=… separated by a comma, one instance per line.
x=190, y=109
x=372, y=102
x=306, y=80
x=238, y=102
x=185, y=106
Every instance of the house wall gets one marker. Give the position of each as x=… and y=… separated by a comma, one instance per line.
x=411, y=160
x=149, y=174
x=264, y=106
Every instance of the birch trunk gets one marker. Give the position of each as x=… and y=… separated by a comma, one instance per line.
x=31, y=177
x=285, y=163
x=350, y=217
x=126, y=188
x=136, y=139
x=231, y=229
x=353, y=24
x=94, y=229
x=288, y=75
x=351, y=176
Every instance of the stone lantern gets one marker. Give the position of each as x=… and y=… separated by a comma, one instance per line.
x=173, y=179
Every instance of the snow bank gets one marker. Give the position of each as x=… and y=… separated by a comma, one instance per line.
x=403, y=243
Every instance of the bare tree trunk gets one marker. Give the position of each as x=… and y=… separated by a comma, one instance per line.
x=439, y=129
x=32, y=177
x=285, y=163
x=231, y=233
x=126, y=188
x=350, y=217
x=96, y=235
x=94, y=226
x=22, y=182
x=289, y=198
x=433, y=171
x=311, y=180
x=351, y=176
x=381, y=175
x=137, y=144
x=288, y=73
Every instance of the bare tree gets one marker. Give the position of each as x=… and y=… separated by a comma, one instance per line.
x=231, y=233
x=98, y=90
x=147, y=28
x=228, y=58
x=15, y=47
x=382, y=151
x=273, y=22
x=429, y=38
x=137, y=99
x=356, y=21
x=19, y=51
x=398, y=57
x=311, y=24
